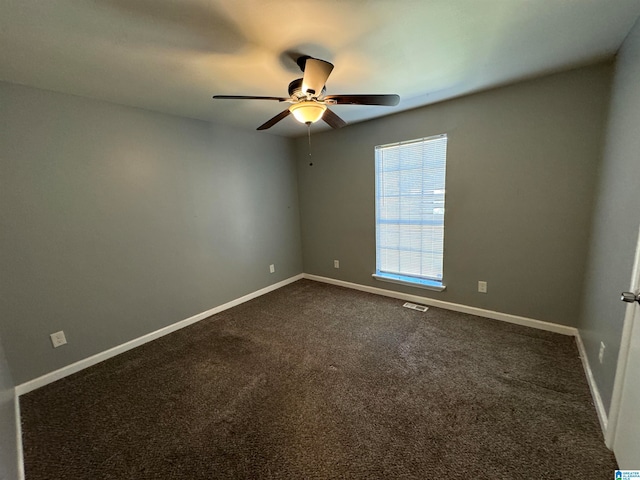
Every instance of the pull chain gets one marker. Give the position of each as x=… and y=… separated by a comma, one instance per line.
x=309, y=134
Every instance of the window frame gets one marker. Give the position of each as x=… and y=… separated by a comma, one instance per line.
x=413, y=280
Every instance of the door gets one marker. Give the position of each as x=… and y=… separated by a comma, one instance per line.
x=626, y=444
x=623, y=435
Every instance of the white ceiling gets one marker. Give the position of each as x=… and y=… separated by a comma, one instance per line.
x=173, y=55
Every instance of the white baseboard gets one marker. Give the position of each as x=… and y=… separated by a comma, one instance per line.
x=595, y=392
x=19, y=451
x=505, y=317
x=112, y=352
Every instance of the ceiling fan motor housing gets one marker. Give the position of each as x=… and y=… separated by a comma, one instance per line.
x=295, y=90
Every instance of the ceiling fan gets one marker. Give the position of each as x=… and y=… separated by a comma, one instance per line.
x=308, y=99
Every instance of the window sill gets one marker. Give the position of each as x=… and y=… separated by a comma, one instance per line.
x=426, y=284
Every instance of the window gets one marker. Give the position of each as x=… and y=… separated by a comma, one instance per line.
x=410, y=192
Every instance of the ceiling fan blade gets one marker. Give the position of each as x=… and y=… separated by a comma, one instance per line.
x=315, y=76
x=271, y=122
x=245, y=97
x=333, y=120
x=390, y=100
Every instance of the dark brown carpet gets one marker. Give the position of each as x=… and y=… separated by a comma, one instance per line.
x=315, y=381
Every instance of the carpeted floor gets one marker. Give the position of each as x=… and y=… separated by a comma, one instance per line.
x=314, y=381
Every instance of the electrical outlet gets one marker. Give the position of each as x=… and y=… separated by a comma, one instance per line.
x=601, y=352
x=272, y=268
x=336, y=264
x=58, y=339
x=482, y=287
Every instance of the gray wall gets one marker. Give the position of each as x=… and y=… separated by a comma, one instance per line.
x=117, y=221
x=8, y=447
x=616, y=221
x=521, y=173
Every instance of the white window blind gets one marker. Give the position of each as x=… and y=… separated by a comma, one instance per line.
x=410, y=195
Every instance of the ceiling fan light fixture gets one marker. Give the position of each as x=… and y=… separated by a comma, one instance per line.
x=307, y=111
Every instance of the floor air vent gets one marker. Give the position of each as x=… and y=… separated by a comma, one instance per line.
x=420, y=308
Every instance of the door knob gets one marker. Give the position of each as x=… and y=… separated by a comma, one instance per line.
x=630, y=297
